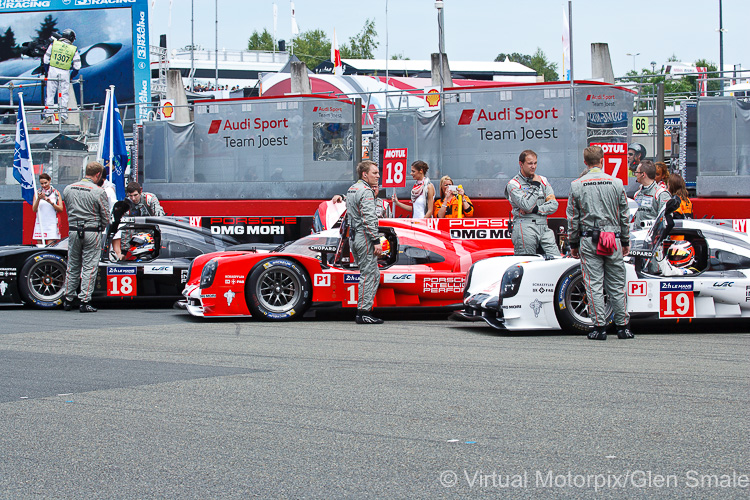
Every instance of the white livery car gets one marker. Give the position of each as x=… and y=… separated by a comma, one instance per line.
x=517, y=293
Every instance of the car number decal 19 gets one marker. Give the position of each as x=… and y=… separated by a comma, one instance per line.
x=676, y=299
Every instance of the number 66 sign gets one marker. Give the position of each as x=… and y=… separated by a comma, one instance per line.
x=676, y=300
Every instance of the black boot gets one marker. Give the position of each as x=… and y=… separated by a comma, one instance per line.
x=85, y=307
x=598, y=333
x=67, y=305
x=366, y=318
x=623, y=332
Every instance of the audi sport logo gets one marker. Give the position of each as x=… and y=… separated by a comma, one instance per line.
x=466, y=116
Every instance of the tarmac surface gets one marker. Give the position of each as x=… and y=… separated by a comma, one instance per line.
x=145, y=403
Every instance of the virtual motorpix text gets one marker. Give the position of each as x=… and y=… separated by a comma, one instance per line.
x=632, y=479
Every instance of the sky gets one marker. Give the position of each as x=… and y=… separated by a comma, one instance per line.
x=478, y=30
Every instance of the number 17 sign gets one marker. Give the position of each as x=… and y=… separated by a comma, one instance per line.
x=615, y=159
x=393, y=174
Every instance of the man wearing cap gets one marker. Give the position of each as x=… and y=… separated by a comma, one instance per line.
x=60, y=58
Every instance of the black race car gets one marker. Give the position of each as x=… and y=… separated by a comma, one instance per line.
x=157, y=267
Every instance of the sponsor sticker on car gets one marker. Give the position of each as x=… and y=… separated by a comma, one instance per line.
x=399, y=278
x=676, y=299
x=157, y=269
x=121, y=281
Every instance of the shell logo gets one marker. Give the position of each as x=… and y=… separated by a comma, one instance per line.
x=167, y=109
x=432, y=97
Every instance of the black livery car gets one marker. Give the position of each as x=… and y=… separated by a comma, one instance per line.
x=157, y=268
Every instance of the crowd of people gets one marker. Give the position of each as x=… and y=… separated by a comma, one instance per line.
x=211, y=88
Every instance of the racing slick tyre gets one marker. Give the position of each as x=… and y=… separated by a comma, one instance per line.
x=278, y=290
x=42, y=280
x=571, y=303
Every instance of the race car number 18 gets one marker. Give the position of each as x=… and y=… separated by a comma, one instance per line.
x=676, y=305
x=121, y=286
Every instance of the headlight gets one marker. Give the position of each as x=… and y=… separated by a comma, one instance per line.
x=511, y=281
x=208, y=273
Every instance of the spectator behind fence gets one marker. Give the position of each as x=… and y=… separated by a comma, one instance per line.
x=452, y=202
x=677, y=187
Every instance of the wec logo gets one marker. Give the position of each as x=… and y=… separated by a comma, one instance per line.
x=399, y=278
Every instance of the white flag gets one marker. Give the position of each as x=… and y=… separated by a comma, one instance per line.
x=338, y=69
x=295, y=28
x=275, y=19
x=566, y=44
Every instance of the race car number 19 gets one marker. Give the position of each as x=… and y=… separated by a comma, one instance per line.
x=676, y=300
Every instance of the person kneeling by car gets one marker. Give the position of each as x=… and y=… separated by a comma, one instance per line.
x=597, y=215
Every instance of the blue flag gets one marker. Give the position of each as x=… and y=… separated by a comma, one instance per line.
x=119, y=161
x=23, y=169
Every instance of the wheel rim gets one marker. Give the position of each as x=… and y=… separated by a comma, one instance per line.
x=578, y=303
x=278, y=290
x=47, y=281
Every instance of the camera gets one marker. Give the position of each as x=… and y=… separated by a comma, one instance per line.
x=452, y=188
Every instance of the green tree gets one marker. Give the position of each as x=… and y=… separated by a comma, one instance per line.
x=46, y=28
x=8, y=47
x=312, y=47
x=399, y=57
x=260, y=41
x=363, y=44
x=538, y=62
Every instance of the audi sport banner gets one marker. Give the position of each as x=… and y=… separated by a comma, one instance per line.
x=274, y=140
x=485, y=131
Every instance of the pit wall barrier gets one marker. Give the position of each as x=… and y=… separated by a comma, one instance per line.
x=18, y=218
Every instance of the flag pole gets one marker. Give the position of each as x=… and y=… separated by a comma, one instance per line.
x=31, y=161
x=111, y=132
x=23, y=113
x=103, y=128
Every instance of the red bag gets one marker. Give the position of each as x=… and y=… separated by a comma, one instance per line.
x=607, y=243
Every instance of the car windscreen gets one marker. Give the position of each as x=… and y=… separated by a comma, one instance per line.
x=302, y=245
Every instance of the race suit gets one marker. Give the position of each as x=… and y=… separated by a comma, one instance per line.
x=60, y=57
x=598, y=201
x=363, y=227
x=650, y=200
x=530, y=229
x=87, y=207
x=148, y=206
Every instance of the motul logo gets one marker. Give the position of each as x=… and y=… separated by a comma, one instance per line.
x=466, y=116
x=214, y=128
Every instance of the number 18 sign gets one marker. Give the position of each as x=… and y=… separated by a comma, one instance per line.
x=393, y=174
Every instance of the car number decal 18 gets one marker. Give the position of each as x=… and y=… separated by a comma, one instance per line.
x=121, y=282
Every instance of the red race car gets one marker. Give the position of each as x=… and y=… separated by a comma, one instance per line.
x=424, y=264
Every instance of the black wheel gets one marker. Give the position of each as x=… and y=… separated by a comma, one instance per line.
x=571, y=303
x=278, y=290
x=42, y=280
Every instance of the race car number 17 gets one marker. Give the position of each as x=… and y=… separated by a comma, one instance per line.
x=676, y=303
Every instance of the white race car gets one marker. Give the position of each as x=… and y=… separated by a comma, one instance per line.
x=530, y=293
